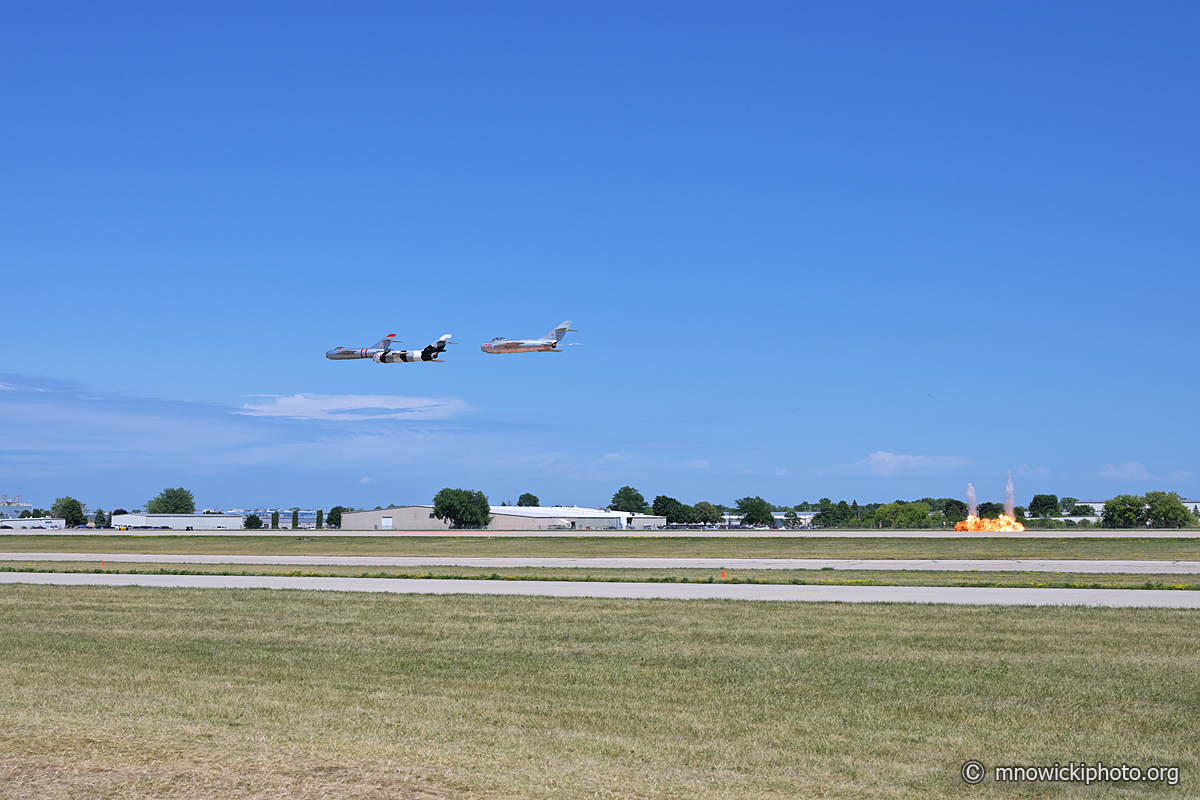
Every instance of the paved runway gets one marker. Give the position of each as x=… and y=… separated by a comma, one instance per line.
x=961, y=565
x=1075, y=533
x=1114, y=598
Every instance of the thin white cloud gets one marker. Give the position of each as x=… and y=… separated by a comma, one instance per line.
x=365, y=479
x=1026, y=471
x=1179, y=476
x=356, y=407
x=1129, y=472
x=887, y=464
x=616, y=457
x=698, y=464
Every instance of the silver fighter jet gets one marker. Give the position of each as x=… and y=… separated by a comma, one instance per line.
x=546, y=344
x=383, y=353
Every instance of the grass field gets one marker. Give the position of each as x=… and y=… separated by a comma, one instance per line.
x=824, y=576
x=133, y=692
x=1182, y=549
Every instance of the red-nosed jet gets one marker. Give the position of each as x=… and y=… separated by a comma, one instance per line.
x=383, y=353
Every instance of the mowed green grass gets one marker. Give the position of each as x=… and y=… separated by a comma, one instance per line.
x=1181, y=549
x=134, y=692
x=824, y=576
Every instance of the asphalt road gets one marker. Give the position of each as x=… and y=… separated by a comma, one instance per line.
x=1114, y=598
x=961, y=565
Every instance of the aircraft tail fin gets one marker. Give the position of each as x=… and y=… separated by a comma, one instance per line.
x=432, y=351
x=386, y=341
x=558, y=333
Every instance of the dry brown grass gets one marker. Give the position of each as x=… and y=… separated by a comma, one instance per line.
x=1181, y=549
x=134, y=692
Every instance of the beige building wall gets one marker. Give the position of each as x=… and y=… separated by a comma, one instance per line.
x=404, y=518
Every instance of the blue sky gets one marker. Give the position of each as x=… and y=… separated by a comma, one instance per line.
x=857, y=250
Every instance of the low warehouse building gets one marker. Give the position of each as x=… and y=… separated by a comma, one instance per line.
x=504, y=518
x=180, y=522
x=27, y=523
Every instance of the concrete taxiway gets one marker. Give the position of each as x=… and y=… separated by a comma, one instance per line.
x=1112, y=598
x=955, y=565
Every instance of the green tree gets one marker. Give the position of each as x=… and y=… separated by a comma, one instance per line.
x=990, y=510
x=790, y=520
x=275, y=520
x=70, y=511
x=677, y=513
x=463, y=508
x=834, y=516
x=1166, y=510
x=629, y=500
x=755, y=511
x=335, y=517
x=705, y=513
x=172, y=501
x=955, y=510
x=528, y=499
x=902, y=515
x=99, y=520
x=253, y=522
x=1043, y=505
x=320, y=518
x=1066, y=506
x=1124, y=511
x=1078, y=510
x=295, y=519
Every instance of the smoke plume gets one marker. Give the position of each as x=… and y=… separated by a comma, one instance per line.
x=972, y=503
x=1010, y=502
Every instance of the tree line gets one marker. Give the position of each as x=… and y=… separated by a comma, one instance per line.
x=1154, y=509
x=465, y=508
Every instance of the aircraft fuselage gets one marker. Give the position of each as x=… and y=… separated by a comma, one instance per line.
x=497, y=346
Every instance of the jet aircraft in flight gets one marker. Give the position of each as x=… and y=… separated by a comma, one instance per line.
x=383, y=353
x=546, y=344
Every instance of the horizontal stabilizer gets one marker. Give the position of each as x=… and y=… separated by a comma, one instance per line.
x=558, y=333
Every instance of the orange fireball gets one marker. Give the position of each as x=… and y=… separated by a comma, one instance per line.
x=974, y=524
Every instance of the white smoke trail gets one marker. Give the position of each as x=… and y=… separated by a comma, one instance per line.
x=972, y=503
x=1010, y=502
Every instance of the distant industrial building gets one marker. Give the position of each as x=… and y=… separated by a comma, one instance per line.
x=12, y=507
x=803, y=519
x=307, y=517
x=504, y=518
